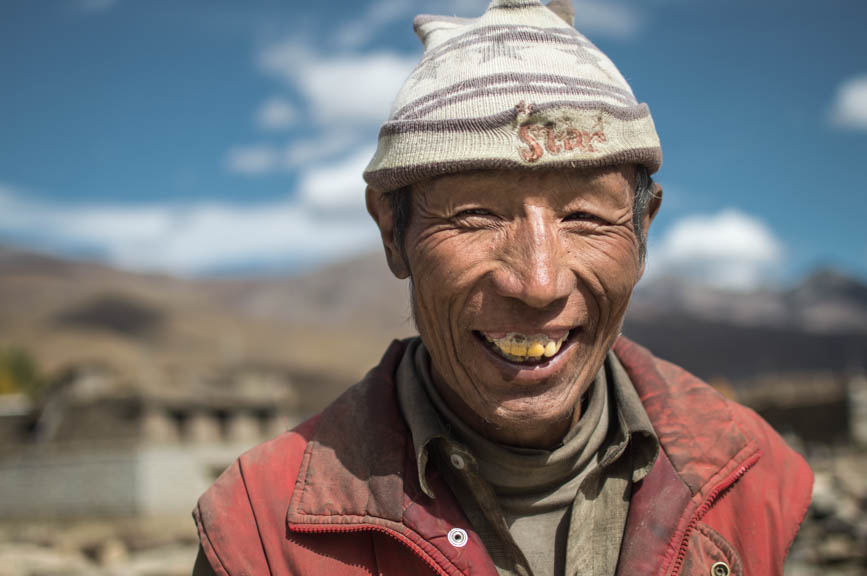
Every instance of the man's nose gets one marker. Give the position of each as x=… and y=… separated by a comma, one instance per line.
x=535, y=270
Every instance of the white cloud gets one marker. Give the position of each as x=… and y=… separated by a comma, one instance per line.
x=359, y=31
x=299, y=154
x=276, y=114
x=348, y=94
x=326, y=220
x=252, y=160
x=730, y=249
x=332, y=143
x=19, y=215
x=593, y=17
x=337, y=187
x=850, y=106
x=346, y=87
x=342, y=90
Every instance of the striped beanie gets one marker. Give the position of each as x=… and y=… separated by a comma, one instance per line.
x=518, y=87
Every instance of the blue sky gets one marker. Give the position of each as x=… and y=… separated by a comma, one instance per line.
x=215, y=136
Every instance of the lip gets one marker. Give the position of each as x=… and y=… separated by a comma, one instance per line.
x=530, y=373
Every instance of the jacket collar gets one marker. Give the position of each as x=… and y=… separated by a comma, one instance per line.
x=702, y=445
x=374, y=483
x=346, y=483
x=693, y=422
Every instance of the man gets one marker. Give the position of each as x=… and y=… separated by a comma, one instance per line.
x=520, y=434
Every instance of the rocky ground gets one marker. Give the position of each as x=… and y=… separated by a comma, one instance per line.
x=833, y=537
x=832, y=540
x=133, y=547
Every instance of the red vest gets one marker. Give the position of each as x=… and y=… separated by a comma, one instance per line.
x=339, y=495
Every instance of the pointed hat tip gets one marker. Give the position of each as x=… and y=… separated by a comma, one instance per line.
x=563, y=9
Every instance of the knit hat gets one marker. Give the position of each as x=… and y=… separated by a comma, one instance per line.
x=518, y=87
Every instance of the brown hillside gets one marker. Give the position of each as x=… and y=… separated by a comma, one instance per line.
x=168, y=331
x=336, y=322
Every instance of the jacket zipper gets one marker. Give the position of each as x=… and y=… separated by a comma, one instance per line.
x=373, y=528
x=715, y=494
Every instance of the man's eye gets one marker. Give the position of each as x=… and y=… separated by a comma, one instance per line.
x=473, y=212
x=580, y=217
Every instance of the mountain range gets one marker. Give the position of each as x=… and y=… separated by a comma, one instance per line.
x=169, y=331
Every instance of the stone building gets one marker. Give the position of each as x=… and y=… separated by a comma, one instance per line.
x=820, y=409
x=99, y=445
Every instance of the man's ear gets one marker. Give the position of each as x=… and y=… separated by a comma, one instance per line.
x=647, y=219
x=652, y=208
x=380, y=209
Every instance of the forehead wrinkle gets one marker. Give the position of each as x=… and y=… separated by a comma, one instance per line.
x=591, y=181
x=547, y=183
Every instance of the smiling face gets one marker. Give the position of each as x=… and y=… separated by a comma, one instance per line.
x=521, y=281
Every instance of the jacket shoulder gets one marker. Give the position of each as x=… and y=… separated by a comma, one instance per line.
x=781, y=474
x=253, y=492
x=709, y=439
x=237, y=516
x=762, y=513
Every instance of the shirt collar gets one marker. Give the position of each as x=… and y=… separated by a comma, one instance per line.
x=425, y=425
x=631, y=429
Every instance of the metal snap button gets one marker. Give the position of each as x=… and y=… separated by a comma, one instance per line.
x=720, y=569
x=458, y=537
x=458, y=461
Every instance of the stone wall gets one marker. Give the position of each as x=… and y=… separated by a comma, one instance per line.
x=45, y=481
x=102, y=481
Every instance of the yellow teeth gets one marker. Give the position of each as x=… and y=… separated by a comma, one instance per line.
x=535, y=349
x=551, y=348
x=520, y=348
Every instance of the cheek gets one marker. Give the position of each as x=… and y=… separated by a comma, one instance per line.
x=445, y=270
x=451, y=265
x=608, y=267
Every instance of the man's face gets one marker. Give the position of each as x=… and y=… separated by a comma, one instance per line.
x=521, y=280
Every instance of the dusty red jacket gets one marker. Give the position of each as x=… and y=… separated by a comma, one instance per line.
x=339, y=495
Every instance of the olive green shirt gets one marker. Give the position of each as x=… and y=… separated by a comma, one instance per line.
x=539, y=512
